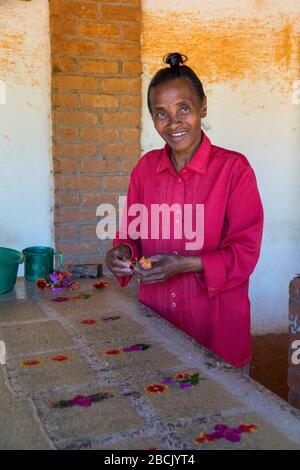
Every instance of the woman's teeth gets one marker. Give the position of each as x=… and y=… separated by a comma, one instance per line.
x=178, y=134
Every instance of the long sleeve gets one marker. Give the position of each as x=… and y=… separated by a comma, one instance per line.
x=123, y=236
x=234, y=261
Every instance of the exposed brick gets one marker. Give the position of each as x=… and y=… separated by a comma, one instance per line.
x=66, y=198
x=99, y=101
x=115, y=182
x=121, y=50
x=128, y=165
x=73, y=47
x=120, y=13
x=117, y=118
x=74, y=82
x=77, y=182
x=131, y=101
x=78, y=248
x=73, y=9
x=98, y=134
x=130, y=135
x=75, y=150
x=66, y=232
x=94, y=199
x=76, y=118
x=99, y=166
x=132, y=67
x=123, y=85
x=131, y=32
x=66, y=133
x=64, y=100
x=121, y=150
x=99, y=66
x=100, y=30
x=60, y=25
x=88, y=232
x=64, y=64
x=75, y=215
x=65, y=166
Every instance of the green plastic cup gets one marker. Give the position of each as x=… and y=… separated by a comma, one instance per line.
x=39, y=262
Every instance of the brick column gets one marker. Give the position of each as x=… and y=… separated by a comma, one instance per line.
x=96, y=109
x=294, y=369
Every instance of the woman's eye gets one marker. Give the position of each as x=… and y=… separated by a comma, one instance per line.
x=161, y=114
x=184, y=109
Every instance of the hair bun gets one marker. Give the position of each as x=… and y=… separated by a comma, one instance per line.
x=174, y=59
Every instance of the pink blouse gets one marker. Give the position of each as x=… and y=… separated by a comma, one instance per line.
x=212, y=306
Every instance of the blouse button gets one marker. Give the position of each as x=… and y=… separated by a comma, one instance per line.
x=173, y=304
x=179, y=180
x=173, y=294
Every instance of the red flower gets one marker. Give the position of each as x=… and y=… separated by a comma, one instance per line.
x=154, y=389
x=42, y=284
x=88, y=322
x=112, y=352
x=248, y=427
x=31, y=362
x=100, y=284
x=60, y=358
x=203, y=438
x=61, y=299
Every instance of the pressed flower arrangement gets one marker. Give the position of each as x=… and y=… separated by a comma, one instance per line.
x=223, y=431
x=181, y=380
x=132, y=348
x=84, y=401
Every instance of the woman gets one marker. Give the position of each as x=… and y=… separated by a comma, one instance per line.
x=203, y=290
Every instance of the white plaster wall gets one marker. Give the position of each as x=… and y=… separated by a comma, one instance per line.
x=26, y=187
x=254, y=114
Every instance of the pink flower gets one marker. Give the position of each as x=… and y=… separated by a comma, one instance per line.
x=81, y=400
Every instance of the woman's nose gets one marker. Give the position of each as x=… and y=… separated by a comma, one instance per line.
x=173, y=120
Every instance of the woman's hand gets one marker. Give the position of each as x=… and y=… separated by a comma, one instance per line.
x=167, y=266
x=118, y=260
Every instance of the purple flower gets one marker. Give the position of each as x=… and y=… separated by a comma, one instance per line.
x=168, y=381
x=54, y=277
x=185, y=384
x=233, y=436
x=56, y=288
x=81, y=400
x=133, y=347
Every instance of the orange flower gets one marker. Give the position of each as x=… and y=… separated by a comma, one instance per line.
x=113, y=352
x=61, y=358
x=145, y=263
x=32, y=362
x=154, y=389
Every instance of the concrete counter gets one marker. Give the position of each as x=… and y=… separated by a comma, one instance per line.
x=95, y=369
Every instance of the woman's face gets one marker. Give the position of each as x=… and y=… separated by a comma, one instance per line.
x=176, y=113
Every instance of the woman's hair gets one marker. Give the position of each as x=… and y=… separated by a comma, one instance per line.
x=176, y=70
